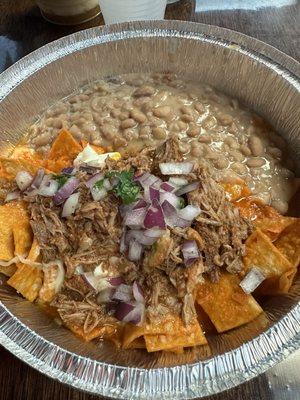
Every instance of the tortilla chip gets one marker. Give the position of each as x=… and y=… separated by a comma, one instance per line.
x=23, y=238
x=273, y=227
x=9, y=167
x=12, y=215
x=288, y=243
x=106, y=331
x=6, y=236
x=27, y=154
x=138, y=343
x=98, y=149
x=8, y=271
x=28, y=279
x=170, y=327
x=261, y=253
x=191, y=335
x=226, y=304
x=236, y=191
x=63, y=152
x=253, y=209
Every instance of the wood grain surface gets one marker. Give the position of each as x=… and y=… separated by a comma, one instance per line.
x=22, y=30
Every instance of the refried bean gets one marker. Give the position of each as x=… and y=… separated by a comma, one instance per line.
x=129, y=112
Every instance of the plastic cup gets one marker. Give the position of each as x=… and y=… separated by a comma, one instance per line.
x=115, y=11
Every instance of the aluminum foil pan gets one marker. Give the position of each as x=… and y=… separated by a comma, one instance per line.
x=261, y=77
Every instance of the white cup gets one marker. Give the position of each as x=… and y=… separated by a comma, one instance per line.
x=132, y=10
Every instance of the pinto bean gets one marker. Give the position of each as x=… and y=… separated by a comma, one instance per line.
x=255, y=162
x=138, y=116
x=256, y=146
x=199, y=107
x=128, y=123
x=187, y=118
x=162, y=111
x=144, y=91
x=193, y=132
x=159, y=133
x=245, y=150
x=221, y=163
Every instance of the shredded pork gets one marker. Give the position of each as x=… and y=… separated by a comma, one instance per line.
x=91, y=238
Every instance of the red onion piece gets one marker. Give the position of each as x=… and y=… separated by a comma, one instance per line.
x=140, y=237
x=153, y=193
x=116, y=280
x=67, y=170
x=140, y=204
x=130, y=312
x=105, y=296
x=176, y=168
x=98, y=194
x=138, y=292
x=178, y=181
x=94, y=179
x=189, y=212
x=170, y=198
x=70, y=205
x=155, y=217
x=122, y=293
x=23, y=180
x=12, y=196
x=188, y=188
x=123, y=245
x=135, y=251
x=123, y=309
x=48, y=187
x=125, y=208
x=147, y=180
x=135, y=218
x=171, y=216
x=190, y=252
x=107, y=185
x=66, y=190
x=37, y=180
x=167, y=187
x=91, y=279
x=136, y=316
x=252, y=280
x=154, y=232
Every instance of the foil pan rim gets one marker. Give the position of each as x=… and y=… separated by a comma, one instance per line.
x=188, y=381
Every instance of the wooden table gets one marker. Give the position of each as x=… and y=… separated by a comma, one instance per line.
x=22, y=30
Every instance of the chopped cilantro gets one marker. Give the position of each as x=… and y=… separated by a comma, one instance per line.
x=99, y=184
x=61, y=179
x=181, y=203
x=126, y=188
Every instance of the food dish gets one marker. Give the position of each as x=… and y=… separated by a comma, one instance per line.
x=255, y=347
x=122, y=226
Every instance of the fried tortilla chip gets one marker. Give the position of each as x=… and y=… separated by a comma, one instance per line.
x=288, y=243
x=63, y=152
x=23, y=238
x=253, y=209
x=190, y=335
x=9, y=270
x=107, y=331
x=261, y=253
x=13, y=215
x=9, y=167
x=236, y=191
x=272, y=227
x=28, y=279
x=226, y=304
x=6, y=236
x=173, y=334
